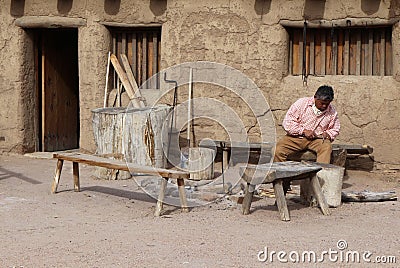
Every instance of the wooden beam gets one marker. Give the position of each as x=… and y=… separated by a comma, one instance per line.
x=131, y=78
x=340, y=22
x=346, y=56
x=323, y=53
x=370, y=51
x=49, y=22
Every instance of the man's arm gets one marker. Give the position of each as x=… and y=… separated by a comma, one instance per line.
x=291, y=123
x=333, y=128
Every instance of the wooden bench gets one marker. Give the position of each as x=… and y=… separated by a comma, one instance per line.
x=276, y=173
x=94, y=160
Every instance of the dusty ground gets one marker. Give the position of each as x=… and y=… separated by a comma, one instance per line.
x=111, y=224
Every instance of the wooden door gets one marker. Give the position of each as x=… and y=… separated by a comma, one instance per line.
x=59, y=89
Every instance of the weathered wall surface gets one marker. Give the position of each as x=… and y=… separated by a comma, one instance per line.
x=243, y=34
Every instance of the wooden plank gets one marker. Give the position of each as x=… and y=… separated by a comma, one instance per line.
x=120, y=165
x=296, y=64
x=376, y=63
x=123, y=43
x=43, y=94
x=150, y=55
x=358, y=52
x=323, y=53
x=124, y=79
x=155, y=59
x=340, y=53
x=383, y=53
x=354, y=148
x=144, y=58
x=328, y=54
x=308, y=53
x=370, y=51
x=335, y=53
x=134, y=55
x=388, y=52
x=301, y=52
x=312, y=52
x=318, y=53
x=364, y=51
x=346, y=53
x=353, y=52
x=131, y=79
x=139, y=58
x=319, y=195
x=290, y=52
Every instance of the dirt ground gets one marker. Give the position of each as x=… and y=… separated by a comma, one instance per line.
x=111, y=224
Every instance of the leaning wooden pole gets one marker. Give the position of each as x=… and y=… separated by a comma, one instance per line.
x=107, y=74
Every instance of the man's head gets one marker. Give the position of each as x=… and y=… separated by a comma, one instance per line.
x=323, y=97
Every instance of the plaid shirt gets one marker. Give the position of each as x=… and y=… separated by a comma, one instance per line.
x=301, y=116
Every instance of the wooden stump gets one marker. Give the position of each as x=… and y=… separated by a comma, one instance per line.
x=201, y=163
x=133, y=134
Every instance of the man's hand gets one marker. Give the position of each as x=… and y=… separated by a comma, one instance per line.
x=309, y=134
x=326, y=136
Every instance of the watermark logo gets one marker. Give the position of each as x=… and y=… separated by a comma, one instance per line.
x=216, y=99
x=340, y=254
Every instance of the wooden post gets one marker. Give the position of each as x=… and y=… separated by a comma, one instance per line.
x=161, y=196
x=182, y=195
x=75, y=171
x=131, y=78
x=248, y=198
x=57, y=176
x=318, y=195
x=281, y=200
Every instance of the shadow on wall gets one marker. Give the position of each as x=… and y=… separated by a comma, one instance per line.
x=158, y=7
x=314, y=9
x=370, y=7
x=262, y=7
x=111, y=7
x=394, y=9
x=64, y=6
x=17, y=8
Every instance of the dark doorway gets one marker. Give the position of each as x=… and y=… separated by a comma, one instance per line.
x=56, y=63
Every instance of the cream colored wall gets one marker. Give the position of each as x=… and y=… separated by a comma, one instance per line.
x=243, y=34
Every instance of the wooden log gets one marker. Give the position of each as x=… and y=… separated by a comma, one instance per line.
x=49, y=22
x=133, y=135
x=367, y=196
x=201, y=163
x=182, y=195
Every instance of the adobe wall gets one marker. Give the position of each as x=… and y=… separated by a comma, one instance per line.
x=243, y=34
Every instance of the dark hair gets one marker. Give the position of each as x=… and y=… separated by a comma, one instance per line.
x=324, y=93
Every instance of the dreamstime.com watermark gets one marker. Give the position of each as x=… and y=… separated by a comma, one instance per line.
x=338, y=255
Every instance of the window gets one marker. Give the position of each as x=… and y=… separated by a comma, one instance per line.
x=340, y=51
x=142, y=48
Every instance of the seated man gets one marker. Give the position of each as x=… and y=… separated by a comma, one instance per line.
x=310, y=123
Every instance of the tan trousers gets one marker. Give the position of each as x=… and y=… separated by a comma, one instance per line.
x=289, y=144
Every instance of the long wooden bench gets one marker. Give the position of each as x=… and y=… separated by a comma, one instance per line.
x=94, y=160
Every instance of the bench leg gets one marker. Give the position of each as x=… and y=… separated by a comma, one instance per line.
x=161, y=196
x=182, y=195
x=57, y=176
x=248, y=198
x=281, y=200
x=319, y=196
x=75, y=172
